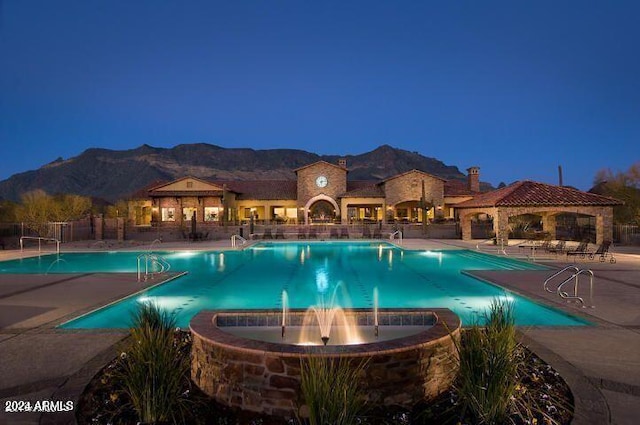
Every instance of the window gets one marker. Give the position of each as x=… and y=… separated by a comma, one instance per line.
x=212, y=213
x=189, y=185
x=188, y=212
x=168, y=214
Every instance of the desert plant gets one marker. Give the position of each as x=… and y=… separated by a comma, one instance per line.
x=332, y=390
x=489, y=364
x=153, y=369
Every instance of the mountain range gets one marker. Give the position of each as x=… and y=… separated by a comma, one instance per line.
x=116, y=174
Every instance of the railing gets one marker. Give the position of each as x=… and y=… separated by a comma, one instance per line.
x=398, y=234
x=237, y=238
x=546, y=282
x=151, y=260
x=575, y=296
x=500, y=240
x=22, y=238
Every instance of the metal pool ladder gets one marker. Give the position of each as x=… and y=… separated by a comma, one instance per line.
x=237, y=238
x=575, y=274
x=151, y=260
x=398, y=234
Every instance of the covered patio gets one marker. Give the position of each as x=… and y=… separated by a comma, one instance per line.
x=544, y=200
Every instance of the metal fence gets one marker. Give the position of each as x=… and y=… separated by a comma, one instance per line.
x=626, y=234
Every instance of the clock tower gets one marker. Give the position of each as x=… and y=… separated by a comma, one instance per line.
x=321, y=181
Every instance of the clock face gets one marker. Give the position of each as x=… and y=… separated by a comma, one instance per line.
x=321, y=181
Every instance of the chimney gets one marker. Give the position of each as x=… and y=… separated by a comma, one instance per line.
x=473, y=179
x=342, y=162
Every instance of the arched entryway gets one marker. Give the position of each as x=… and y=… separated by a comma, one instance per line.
x=321, y=209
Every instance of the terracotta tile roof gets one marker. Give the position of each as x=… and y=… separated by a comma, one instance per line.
x=529, y=193
x=263, y=189
x=143, y=193
x=185, y=193
x=363, y=189
x=457, y=188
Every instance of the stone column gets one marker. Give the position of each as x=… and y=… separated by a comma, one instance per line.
x=465, y=226
x=604, y=225
x=344, y=217
x=549, y=224
x=120, y=228
x=99, y=227
x=501, y=225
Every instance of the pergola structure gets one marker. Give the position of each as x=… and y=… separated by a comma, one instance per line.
x=545, y=200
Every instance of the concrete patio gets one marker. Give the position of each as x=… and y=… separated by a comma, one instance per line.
x=601, y=363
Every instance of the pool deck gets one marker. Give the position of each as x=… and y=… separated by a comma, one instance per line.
x=601, y=363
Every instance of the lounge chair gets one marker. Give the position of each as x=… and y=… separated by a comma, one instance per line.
x=333, y=233
x=603, y=252
x=279, y=233
x=559, y=248
x=580, y=250
x=268, y=234
x=344, y=233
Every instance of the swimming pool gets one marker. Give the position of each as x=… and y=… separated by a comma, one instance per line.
x=256, y=277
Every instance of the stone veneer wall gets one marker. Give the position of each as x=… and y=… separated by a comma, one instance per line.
x=307, y=189
x=408, y=187
x=265, y=377
x=603, y=215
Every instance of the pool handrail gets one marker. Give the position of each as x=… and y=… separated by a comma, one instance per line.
x=152, y=258
x=40, y=239
x=558, y=273
x=575, y=296
x=234, y=240
x=397, y=233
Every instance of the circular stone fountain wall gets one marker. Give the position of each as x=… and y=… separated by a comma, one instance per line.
x=264, y=377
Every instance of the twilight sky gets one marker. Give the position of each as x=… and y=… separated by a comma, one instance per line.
x=515, y=87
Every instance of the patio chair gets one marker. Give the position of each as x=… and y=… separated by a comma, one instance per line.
x=333, y=233
x=267, y=234
x=377, y=233
x=559, y=248
x=302, y=234
x=279, y=233
x=313, y=233
x=603, y=252
x=366, y=232
x=344, y=233
x=580, y=250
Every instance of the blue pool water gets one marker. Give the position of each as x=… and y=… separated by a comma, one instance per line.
x=256, y=277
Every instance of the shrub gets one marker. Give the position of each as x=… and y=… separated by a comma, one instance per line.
x=489, y=364
x=153, y=370
x=332, y=390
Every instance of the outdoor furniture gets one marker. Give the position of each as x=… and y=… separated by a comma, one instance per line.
x=377, y=233
x=302, y=234
x=344, y=233
x=366, y=232
x=279, y=233
x=580, y=250
x=313, y=233
x=559, y=248
x=333, y=233
x=603, y=252
x=267, y=234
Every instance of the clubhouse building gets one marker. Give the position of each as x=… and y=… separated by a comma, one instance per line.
x=322, y=194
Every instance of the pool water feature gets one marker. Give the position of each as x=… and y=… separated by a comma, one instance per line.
x=233, y=363
x=255, y=278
